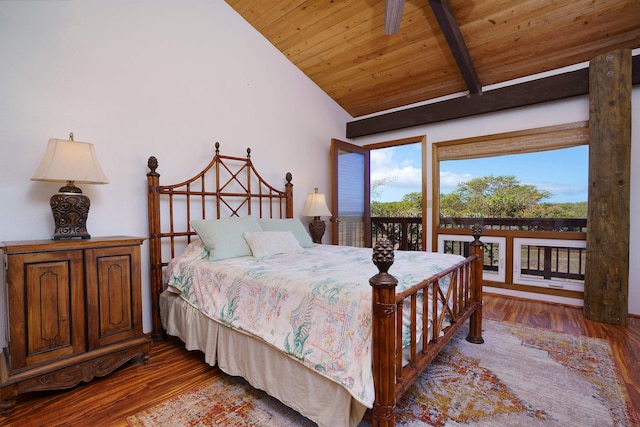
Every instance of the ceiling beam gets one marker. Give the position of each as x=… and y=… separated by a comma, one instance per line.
x=451, y=30
x=561, y=86
x=393, y=16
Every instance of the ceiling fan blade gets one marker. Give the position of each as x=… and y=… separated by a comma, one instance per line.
x=393, y=16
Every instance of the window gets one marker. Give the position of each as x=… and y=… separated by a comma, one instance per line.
x=494, y=253
x=536, y=259
x=553, y=263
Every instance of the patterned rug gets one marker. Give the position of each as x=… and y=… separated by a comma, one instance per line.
x=519, y=377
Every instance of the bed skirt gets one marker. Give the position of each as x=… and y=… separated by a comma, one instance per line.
x=314, y=396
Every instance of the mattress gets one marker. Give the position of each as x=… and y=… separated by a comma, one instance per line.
x=313, y=306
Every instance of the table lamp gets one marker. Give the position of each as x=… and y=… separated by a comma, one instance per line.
x=315, y=207
x=71, y=162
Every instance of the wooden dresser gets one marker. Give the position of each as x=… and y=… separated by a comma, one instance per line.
x=74, y=312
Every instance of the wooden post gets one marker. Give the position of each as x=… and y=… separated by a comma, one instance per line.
x=475, y=322
x=606, y=287
x=383, y=336
x=288, y=188
x=155, y=250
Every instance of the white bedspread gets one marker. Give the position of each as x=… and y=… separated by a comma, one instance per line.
x=314, y=305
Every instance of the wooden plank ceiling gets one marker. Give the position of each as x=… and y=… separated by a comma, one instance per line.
x=442, y=47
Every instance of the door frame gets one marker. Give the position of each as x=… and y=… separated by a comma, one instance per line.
x=422, y=139
x=366, y=149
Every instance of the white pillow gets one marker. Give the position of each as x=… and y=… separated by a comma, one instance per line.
x=294, y=225
x=223, y=237
x=265, y=243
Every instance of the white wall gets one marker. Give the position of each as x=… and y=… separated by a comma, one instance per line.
x=552, y=113
x=148, y=77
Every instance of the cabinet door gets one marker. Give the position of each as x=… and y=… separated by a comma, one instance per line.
x=113, y=295
x=46, y=306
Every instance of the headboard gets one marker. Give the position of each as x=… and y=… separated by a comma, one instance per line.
x=227, y=186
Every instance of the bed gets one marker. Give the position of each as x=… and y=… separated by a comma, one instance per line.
x=335, y=333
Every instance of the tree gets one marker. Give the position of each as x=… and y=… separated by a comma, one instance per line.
x=486, y=197
x=493, y=197
x=413, y=200
x=409, y=207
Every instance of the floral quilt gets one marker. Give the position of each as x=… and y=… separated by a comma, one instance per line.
x=314, y=304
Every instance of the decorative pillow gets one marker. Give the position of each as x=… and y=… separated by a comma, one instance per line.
x=223, y=237
x=265, y=243
x=294, y=225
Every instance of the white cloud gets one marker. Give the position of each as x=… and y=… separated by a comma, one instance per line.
x=449, y=180
x=562, y=192
x=400, y=173
x=381, y=161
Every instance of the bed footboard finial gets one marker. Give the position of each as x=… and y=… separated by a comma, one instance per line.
x=383, y=348
x=383, y=255
x=476, y=232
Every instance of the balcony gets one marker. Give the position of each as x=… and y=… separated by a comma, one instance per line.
x=557, y=262
x=520, y=224
x=406, y=232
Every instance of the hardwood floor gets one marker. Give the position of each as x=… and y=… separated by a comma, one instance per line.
x=108, y=401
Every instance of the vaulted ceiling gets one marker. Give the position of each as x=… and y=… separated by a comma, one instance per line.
x=442, y=47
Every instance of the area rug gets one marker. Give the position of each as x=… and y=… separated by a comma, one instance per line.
x=519, y=377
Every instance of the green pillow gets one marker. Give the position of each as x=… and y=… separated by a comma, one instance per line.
x=224, y=237
x=294, y=225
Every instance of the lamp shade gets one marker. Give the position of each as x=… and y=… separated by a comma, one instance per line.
x=315, y=205
x=70, y=161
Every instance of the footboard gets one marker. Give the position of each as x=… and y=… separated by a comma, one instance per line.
x=445, y=309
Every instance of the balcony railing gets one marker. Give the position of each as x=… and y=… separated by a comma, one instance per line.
x=406, y=232
x=491, y=256
x=548, y=262
x=528, y=224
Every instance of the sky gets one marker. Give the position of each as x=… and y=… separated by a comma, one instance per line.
x=564, y=173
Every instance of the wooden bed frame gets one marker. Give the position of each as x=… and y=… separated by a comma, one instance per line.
x=237, y=189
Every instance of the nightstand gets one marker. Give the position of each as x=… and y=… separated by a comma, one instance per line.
x=74, y=312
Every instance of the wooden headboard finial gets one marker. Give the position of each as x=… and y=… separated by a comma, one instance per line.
x=248, y=152
x=217, y=147
x=288, y=177
x=152, y=164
